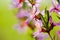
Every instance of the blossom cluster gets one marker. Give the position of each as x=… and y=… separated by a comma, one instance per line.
x=29, y=15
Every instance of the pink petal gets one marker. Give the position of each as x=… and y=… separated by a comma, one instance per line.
x=43, y=12
x=22, y=13
x=36, y=33
x=51, y=9
x=20, y=29
x=37, y=12
x=38, y=24
x=50, y=19
x=54, y=3
x=19, y=5
x=38, y=1
x=37, y=4
x=15, y=1
x=57, y=24
x=59, y=32
x=40, y=35
x=14, y=4
x=58, y=6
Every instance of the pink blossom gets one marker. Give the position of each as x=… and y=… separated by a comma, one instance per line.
x=22, y=13
x=40, y=35
x=16, y=4
x=31, y=14
x=55, y=7
x=54, y=23
x=38, y=3
x=20, y=28
x=38, y=24
x=34, y=11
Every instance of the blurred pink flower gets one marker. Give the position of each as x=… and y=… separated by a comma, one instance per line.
x=53, y=23
x=37, y=4
x=22, y=13
x=55, y=7
x=20, y=28
x=40, y=35
x=38, y=24
x=32, y=14
x=17, y=3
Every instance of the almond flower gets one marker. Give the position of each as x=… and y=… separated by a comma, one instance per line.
x=21, y=28
x=37, y=4
x=30, y=15
x=22, y=13
x=22, y=16
x=17, y=3
x=38, y=24
x=55, y=7
x=53, y=23
x=40, y=35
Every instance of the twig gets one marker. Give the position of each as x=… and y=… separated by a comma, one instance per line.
x=50, y=36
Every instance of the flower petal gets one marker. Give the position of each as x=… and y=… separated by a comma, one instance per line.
x=57, y=24
x=20, y=29
x=38, y=23
x=40, y=35
x=22, y=13
x=54, y=3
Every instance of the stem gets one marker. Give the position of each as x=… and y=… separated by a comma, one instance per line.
x=36, y=38
x=50, y=36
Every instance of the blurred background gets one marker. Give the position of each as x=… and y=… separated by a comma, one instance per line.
x=8, y=19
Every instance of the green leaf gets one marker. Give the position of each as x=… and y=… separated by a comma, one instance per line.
x=46, y=17
x=31, y=25
x=36, y=38
x=42, y=18
x=58, y=17
x=24, y=5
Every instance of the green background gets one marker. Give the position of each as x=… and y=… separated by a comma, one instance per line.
x=8, y=19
